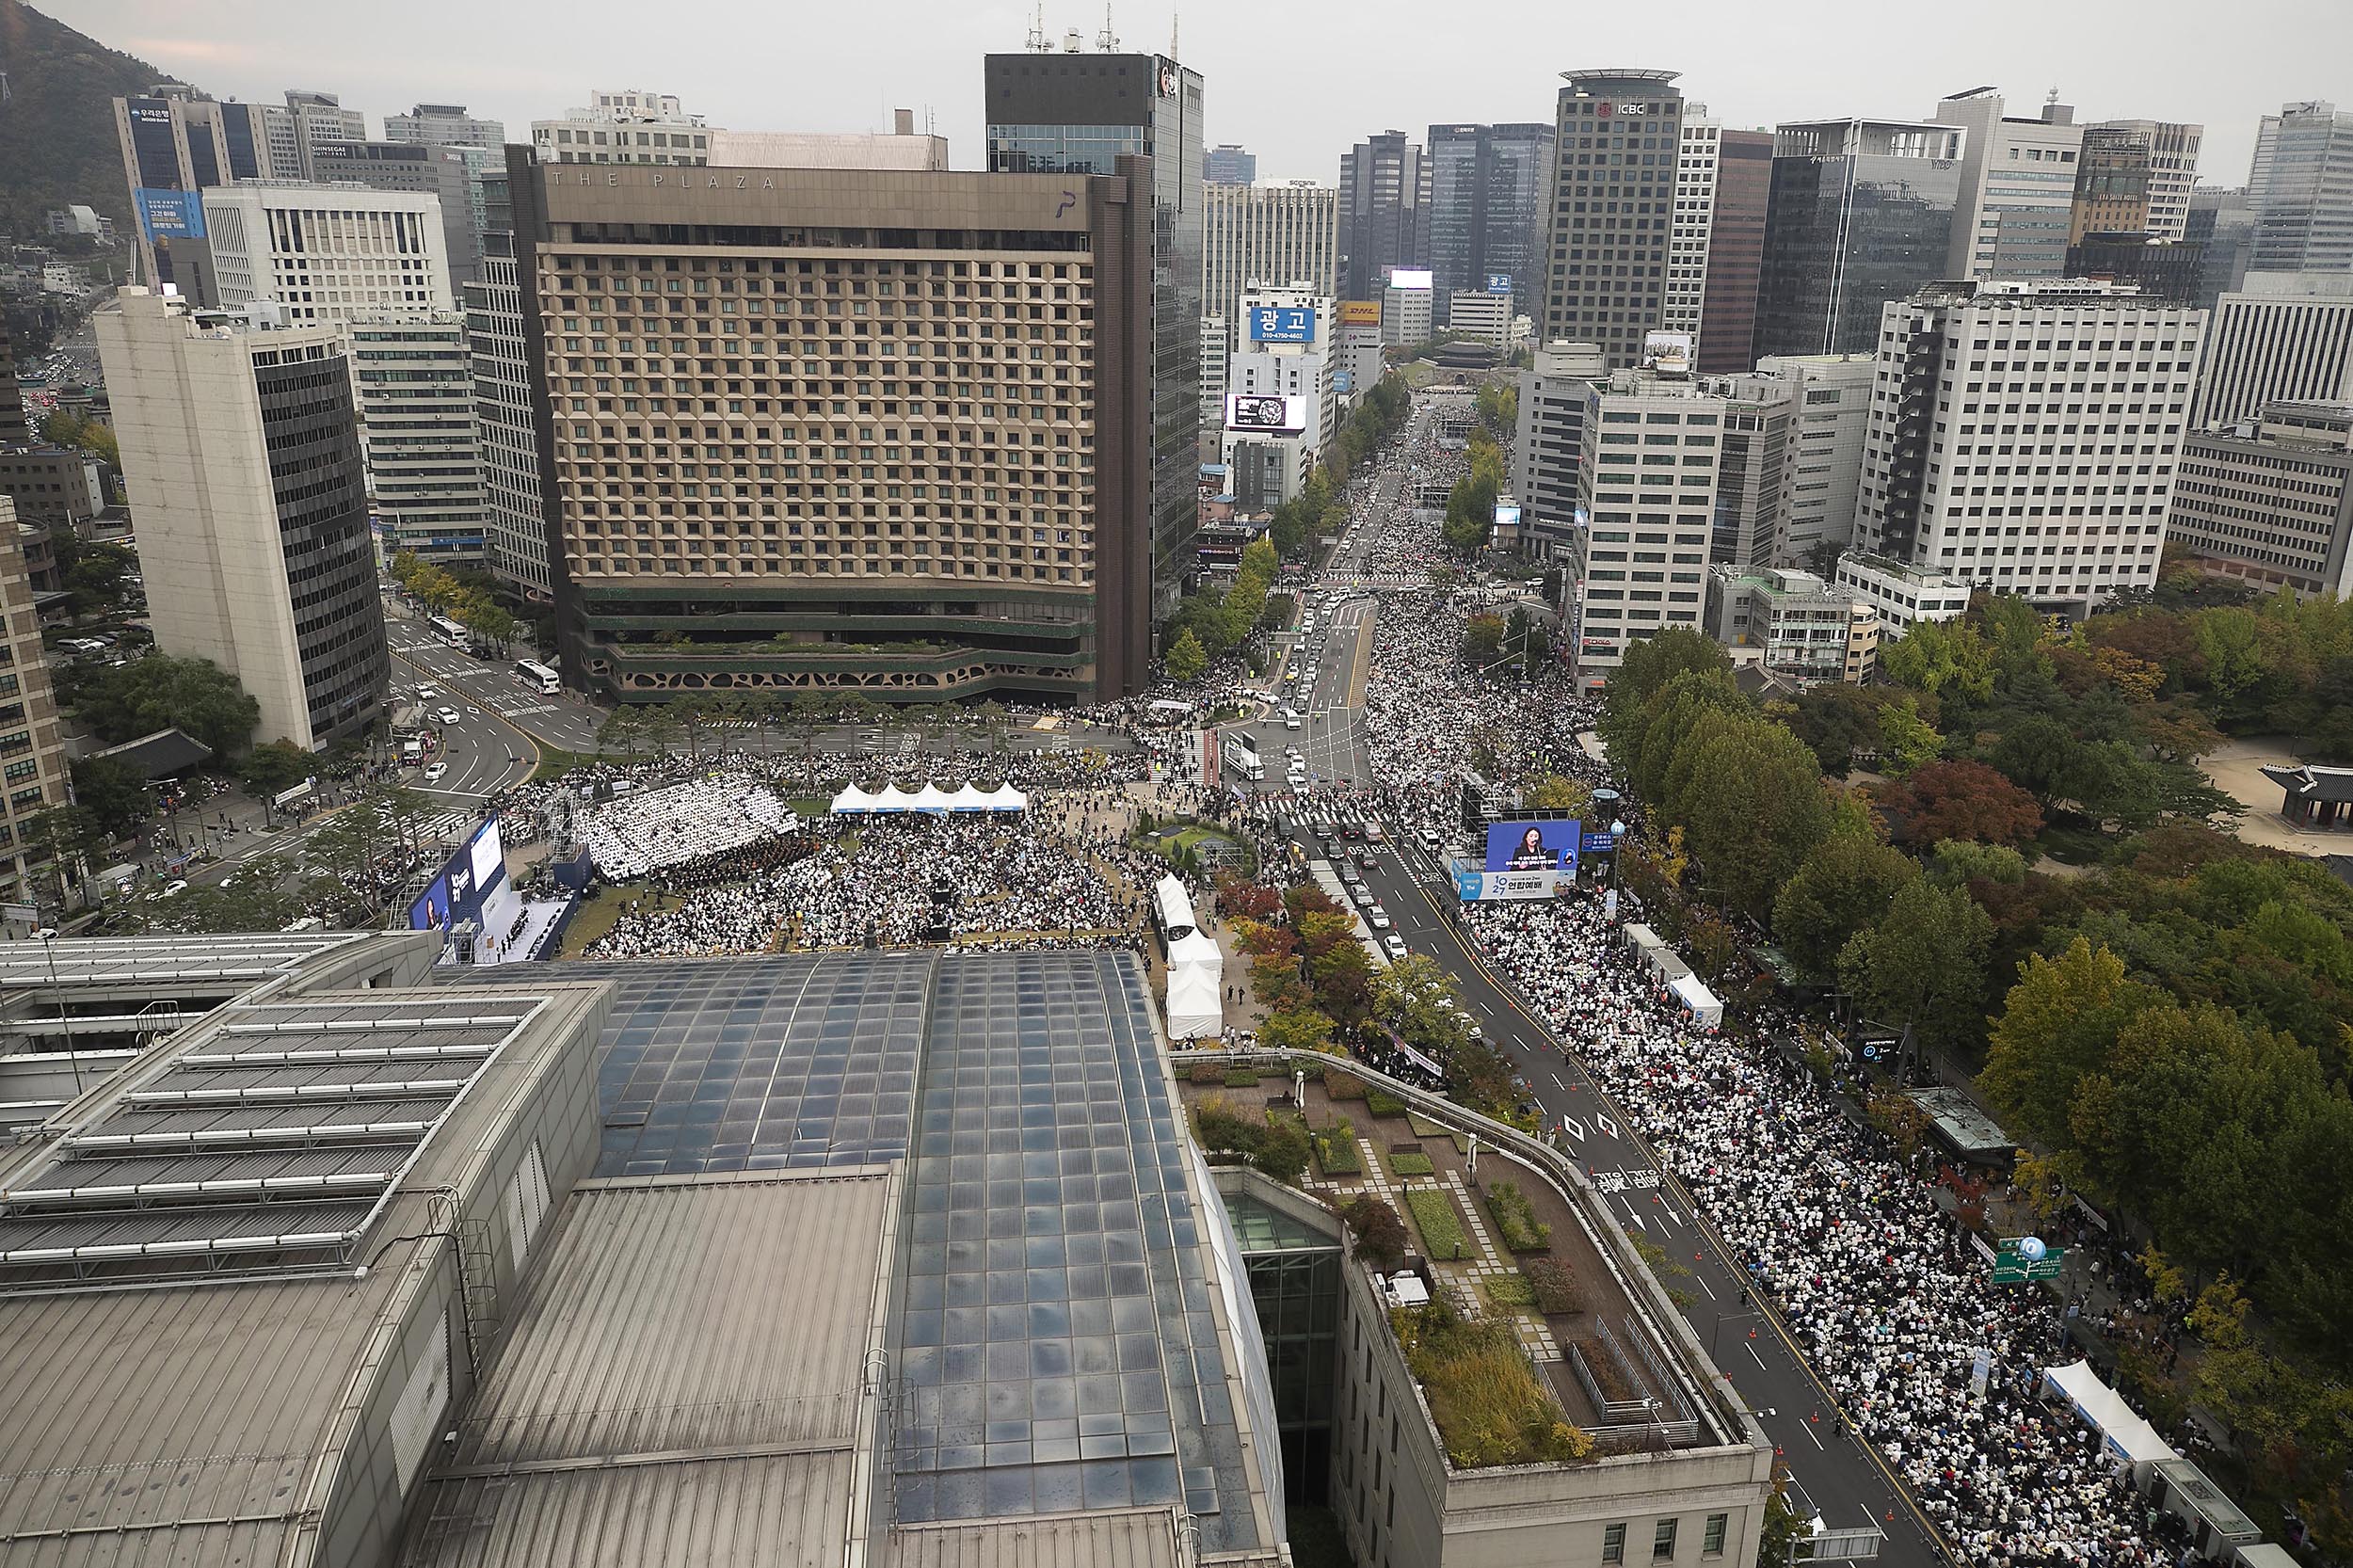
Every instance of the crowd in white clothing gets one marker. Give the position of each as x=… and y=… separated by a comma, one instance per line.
x=652, y=831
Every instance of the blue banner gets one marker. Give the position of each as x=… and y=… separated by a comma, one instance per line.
x=166, y=214
x=1282, y=324
x=1499, y=282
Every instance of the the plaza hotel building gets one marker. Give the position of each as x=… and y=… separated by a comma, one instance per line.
x=881, y=431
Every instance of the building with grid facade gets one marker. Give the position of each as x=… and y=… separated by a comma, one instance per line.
x=2283, y=337
x=1648, y=475
x=241, y=461
x=33, y=775
x=1485, y=215
x=825, y=431
x=2301, y=187
x=1266, y=236
x=2113, y=180
x=414, y=377
x=1385, y=211
x=2172, y=169
x=2017, y=189
x=1619, y=144
x=624, y=126
x=329, y=253
x=1694, y=212
x=446, y=125
x=2023, y=437
x=2272, y=503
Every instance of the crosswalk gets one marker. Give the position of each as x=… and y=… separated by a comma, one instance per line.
x=1377, y=580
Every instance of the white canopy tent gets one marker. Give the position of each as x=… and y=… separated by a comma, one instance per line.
x=2130, y=1440
x=966, y=798
x=894, y=799
x=1698, y=999
x=931, y=797
x=1196, y=988
x=854, y=799
x=1006, y=798
x=1175, y=906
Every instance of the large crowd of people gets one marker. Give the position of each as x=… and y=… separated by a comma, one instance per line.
x=679, y=823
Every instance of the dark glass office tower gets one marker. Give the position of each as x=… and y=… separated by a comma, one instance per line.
x=1385, y=196
x=1620, y=139
x=1861, y=212
x=1075, y=114
x=1486, y=211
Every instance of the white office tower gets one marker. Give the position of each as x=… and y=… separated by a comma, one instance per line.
x=2302, y=191
x=515, y=536
x=1548, y=445
x=1215, y=345
x=624, y=127
x=1823, y=459
x=1273, y=235
x=446, y=125
x=2283, y=337
x=1639, y=566
x=1361, y=361
x=329, y=253
x=2173, y=170
x=414, y=377
x=1694, y=219
x=2024, y=436
x=1482, y=317
x=319, y=119
x=241, y=459
x=1407, y=308
x=1282, y=394
x=2017, y=189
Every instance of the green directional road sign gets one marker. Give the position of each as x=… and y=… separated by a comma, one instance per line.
x=2012, y=1267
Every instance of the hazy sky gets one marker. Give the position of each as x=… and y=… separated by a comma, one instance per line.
x=1295, y=83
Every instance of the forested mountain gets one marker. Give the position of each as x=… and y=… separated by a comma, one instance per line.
x=56, y=125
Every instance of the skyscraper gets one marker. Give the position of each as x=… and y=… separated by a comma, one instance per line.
x=1619, y=139
x=241, y=457
x=1274, y=234
x=1946, y=485
x=1229, y=165
x=2017, y=189
x=38, y=775
x=2113, y=180
x=2222, y=223
x=1736, y=250
x=2302, y=191
x=1080, y=114
x=1862, y=212
x=174, y=145
x=506, y=422
x=1385, y=184
x=832, y=465
x=319, y=119
x=451, y=174
x=2282, y=337
x=414, y=379
x=1486, y=207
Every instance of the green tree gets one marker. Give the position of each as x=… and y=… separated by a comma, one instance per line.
x=1187, y=657
x=160, y=692
x=1482, y=641
x=115, y=795
x=1923, y=968
x=1750, y=800
x=1413, y=996
x=1555, y=793
x=1940, y=657
x=2057, y=1027
x=1845, y=885
x=1907, y=741
x=275, y=766
x=1651, y=662
x=1296, y=1030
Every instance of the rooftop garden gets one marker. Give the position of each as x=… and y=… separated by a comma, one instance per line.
x=1490, y=1406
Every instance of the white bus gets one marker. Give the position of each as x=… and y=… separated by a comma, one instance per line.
x=448, y=630
x=539, y=677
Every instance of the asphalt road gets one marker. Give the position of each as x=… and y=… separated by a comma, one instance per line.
x=1839, y=1478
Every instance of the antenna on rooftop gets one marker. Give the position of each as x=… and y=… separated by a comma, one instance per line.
x=1037, y=44
x=1107, y=41
x=1173, y=19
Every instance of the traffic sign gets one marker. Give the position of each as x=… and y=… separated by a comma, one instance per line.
x=2012, y=1266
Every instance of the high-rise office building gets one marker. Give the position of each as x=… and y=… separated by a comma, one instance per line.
x=319, y=119
x=1080, y=114
x=32, y=747
x=1694, y=222
x=1639, y=566
x=1752, y=468
x=1485, y=215
x=1271, y=234
x=451, y=174
x=1216, y=344
x=2161, y=269
x=261, y=139
x=2173, y=170
x=2113, y=180
x=1408, y=311
x=1947, y=481
x=624, y=126
x=1862, y=212
x=1550, y=445
x=329, y=253
x=1229, y=165
x=1618, y=139
x=2017, y=189
x=241, y=457
x=446, y=125
x=1823, y=467
x=2302, y=191
x=2282, y=337
x=1385, y=192
x=1735, y=251
x=414, y=376
x=2222, y=224
x=506, y=423
x=817, y=473
x=2272, y=503
x=174, y=146
x=1283, y=358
